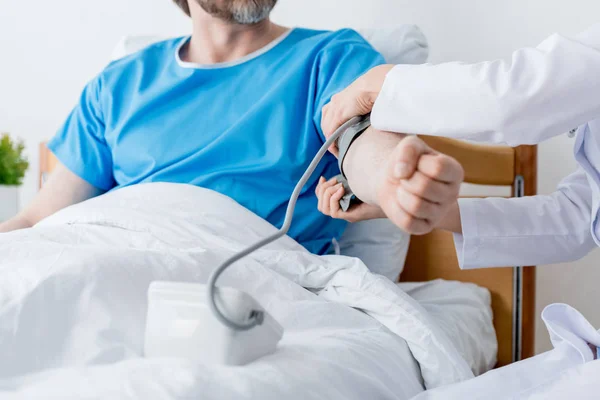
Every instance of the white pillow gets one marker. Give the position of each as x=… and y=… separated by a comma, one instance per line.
x=378, y=243
x=405, y=44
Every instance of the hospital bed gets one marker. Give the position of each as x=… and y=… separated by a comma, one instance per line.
x=430, y=259
x=513, y=288
x=433, y=256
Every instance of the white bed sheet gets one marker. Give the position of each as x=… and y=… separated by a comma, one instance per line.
x=73, y=303
x=464, y=312
x=566, y=372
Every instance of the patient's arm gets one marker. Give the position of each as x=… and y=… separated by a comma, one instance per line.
x=413, y=184
x=63, y=189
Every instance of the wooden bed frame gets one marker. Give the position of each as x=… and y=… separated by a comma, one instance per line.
x=513, y=288
x=433, y=256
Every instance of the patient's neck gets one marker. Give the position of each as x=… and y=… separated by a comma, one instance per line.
x=215, y=41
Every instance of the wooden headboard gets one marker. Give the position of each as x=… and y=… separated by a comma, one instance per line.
x=433, y=256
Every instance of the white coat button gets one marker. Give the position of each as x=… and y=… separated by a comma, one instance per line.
x=572, y=133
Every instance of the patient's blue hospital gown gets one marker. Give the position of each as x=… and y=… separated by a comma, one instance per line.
x=247, y=129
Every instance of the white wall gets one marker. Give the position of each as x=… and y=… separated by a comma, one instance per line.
x=49, y=49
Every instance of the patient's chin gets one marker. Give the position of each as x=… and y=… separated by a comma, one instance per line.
x=242, y=12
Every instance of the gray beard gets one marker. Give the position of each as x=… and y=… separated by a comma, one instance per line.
x=247, y=16
x=251, y=12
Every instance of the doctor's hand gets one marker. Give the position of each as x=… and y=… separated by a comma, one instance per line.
x=357, y=99
x=330, y=192
x=418, y=189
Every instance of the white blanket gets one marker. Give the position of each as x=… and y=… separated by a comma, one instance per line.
x=73, y=298
x=566, y=372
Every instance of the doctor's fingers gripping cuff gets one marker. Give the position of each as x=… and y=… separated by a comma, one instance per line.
x=344, y=143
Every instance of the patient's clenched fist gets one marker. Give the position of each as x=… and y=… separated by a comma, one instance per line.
x=418, y=186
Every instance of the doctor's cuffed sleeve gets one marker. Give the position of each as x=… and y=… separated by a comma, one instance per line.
x=539, y=93
x=527, y=231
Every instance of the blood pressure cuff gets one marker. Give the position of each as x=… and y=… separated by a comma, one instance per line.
x=344, y=143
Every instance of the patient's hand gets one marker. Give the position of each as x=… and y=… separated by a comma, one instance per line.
x=418, y=186
x=331, y=192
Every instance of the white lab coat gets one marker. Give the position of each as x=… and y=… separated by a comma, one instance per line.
x=541, y=92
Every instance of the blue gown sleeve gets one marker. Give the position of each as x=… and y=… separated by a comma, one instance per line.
x=341, y=62
x=80, y=143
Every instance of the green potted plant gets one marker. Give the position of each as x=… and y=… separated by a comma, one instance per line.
x=13, y=166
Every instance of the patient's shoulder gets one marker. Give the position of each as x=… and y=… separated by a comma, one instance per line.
x=347, y=35
x=152, y=56
x=333, y=46
x=331, y=39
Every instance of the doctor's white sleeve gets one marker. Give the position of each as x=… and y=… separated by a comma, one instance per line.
x=545, y=229
x=539, y=93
